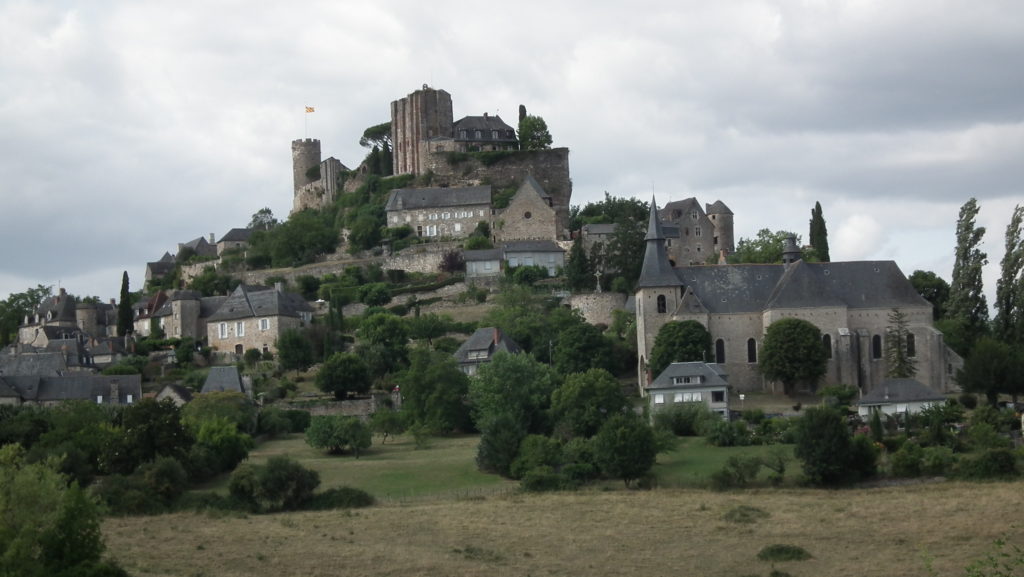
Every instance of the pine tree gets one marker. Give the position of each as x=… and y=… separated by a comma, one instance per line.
x=967, y=302
x=901, y=365
x=819, y=233
x=578, y=274
x=124, y=308
x=1009, y=322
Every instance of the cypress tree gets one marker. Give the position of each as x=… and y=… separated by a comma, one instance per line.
x=124, y=308
x=819, y=233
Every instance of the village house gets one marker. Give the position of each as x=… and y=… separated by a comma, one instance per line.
x=49, y=390
x=544, y=253
x=528, y=216
x=439, y=212
x=481, y=347
x=483, y=264
x=253, y=317
x=234, y=239
x=693, y=382
x=898, y=397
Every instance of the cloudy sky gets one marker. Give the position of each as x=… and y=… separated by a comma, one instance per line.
x=128, y=127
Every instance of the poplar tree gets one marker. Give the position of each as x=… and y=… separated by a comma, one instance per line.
x=1009, y=322
x=819, y=233
x=967, y=302
x=124, y=308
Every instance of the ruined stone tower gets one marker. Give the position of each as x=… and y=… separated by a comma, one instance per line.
x=305, y=157
x=420, y=116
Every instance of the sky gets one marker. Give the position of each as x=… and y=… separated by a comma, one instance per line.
x=127, y=127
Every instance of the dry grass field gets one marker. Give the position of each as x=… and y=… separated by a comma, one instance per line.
x=863, y=532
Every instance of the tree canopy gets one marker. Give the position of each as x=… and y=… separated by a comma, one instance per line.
x=582, y=404
x=1009, y=321
x=819, y=233
x=679, y=342
x=533, y=133
x=793, y=353
x=343, y=373
x=966, y=297
x=933, y=288
x=14, y=309
x=766, y=248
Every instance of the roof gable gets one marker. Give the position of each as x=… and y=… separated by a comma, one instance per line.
x=426, y=198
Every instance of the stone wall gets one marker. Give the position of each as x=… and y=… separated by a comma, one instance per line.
x=597, y=308
x=422, y=258
x=549, y=167
x=356, y=407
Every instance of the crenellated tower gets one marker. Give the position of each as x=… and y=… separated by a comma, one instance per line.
x=305, y=158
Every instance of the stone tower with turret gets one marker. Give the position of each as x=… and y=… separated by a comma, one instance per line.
x=659, y=293
x=305, y=158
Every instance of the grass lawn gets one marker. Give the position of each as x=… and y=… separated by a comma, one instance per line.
x=694, y=460
x=393, y=471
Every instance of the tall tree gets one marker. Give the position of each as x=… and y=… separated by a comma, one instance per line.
x=263, y=219
x=793, y=353
x=898, y=356
x=987, y=369
x=434, y=392
x=766, y=248
x=533, y=133
x=1009, y=322
x=966, y=299
x=343, y=373
x=578, y=274
x=679, y=342
x=625, y=251
x=17, y=306
x=124, y=308
x=933, y=288
x=819, y=233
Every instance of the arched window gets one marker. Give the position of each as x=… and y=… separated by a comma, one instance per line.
x=720, y=351
x=876, y=347
x=661, y=304
x=826, y=341
x=751, y=351
x=911, y=345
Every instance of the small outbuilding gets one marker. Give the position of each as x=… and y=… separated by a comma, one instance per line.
x=898, y=397
x=692, y=382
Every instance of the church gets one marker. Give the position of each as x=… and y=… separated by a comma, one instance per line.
x=849, y=302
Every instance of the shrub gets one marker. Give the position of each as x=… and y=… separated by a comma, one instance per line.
x=906, y=462
x=753, y=417
x=783, y=553
x=535, y=451
x=738, y=472
x=127, y=495
x=728, y=434
x=282, y=484
x=685, y=419
x=983, y=435
x=990, y=464
x=165, y=478
x=969, y=401
x=544, y=478
x=340, y=498
x=937, y=461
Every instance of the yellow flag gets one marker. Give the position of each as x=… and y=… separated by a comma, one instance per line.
x=309, y=109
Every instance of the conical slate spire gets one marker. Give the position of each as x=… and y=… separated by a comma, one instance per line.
x=657, y=270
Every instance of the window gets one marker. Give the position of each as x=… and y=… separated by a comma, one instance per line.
x=458, y=227
x=129, y=399
x=659, y=399
x=446, y=215
x=826, y=341
x=717, y=396
x=678, y=398
x=876, y=347
x=99, y=399
x=661, y=304
x=222, y=330
x=177, y=331
x=696, y=231
x=527, y=215
x=240, y=329
x=487, y=265
x=720, y=351
x=693, y=214
x=477, y=134
x=264, y=324
x=751, y=351
x=911, y=345
x=494, y=134
x=419, y=231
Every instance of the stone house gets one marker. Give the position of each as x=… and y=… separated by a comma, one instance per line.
x=545, y=253
x=528, y=216
x=200, y=246
x=234, y=239
x=178, y=394
x=849, y=302
x=898, y=397
x=481, y=347
x=226, y=379
x=54, y=390
x=481, y=133
x=692, y=382
x=157, y=270
x=594, y=234
x=482, y=264
x=694, y=234
x=253, y=317
x=439, y=212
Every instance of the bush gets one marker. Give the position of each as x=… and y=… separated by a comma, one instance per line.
x=783, y=553
x=728, y=434
x=906, y=462
x=338, y=433
x=937, y=461
x=280, y=485
x=127, y=495
x=983, y=435
x=738, y=472
x=969, y=401
x=685, y=419
x=990, y=464
x=340, y=498
x=544, y=478
x=535, y=451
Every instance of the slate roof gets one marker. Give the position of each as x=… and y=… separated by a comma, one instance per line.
x=76, y=387
x=59, y=308
x=422, y=198
x=258, y=301
x=490, y=339
x=481, y=255
x=657, y=270
x=224, y=379
x=711, y=374
x=531, y=183
x=182, y=393
x=210, y=305
x=599, y=228
x=718, y=207
x=32, y=364
x=900, y=391
x=741, y=288
x=236, y=235
x=159, y=268
x=532, y=246
x=485, y=124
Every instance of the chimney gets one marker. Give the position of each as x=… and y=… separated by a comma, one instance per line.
x=113, y=302
x=279, y=287
x=497, y=335
x=115, y=393
x=63, y=291
x=211, y=239
x=485, y=116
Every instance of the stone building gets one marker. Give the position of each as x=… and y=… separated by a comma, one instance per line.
x=849, y=302
x=484, y=133
x=439, y=212
x=62, y=316
x=528, y=216
x=424, y=115
x=316, y=182
x=481, y=347
x=692, y=382
x=253, y=317
x=234, y=239
x=693, y=234
x=54, y=390
x=545, y=253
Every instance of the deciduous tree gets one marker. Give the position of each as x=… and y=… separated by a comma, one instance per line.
x=434, y=392
x=343, y=373
x=966, y=297
x=793, y=353
x=1009, y=321
x=933, y=288
x=582, y=404
x=533, y=133
x=679, y=342
x=625, y=447
x=294, y=351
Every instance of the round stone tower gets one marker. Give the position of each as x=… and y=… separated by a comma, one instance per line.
x=305, y=157
x=85, y=317
x=722, y=218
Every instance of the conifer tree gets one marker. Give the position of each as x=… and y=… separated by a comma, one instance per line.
x=901, y=365
x=1009, y=322
x=578, y=273
x=124, y=308
x=819, y=233
x=967, y=302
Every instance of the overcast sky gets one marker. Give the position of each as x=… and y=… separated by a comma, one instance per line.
x=128, y=127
